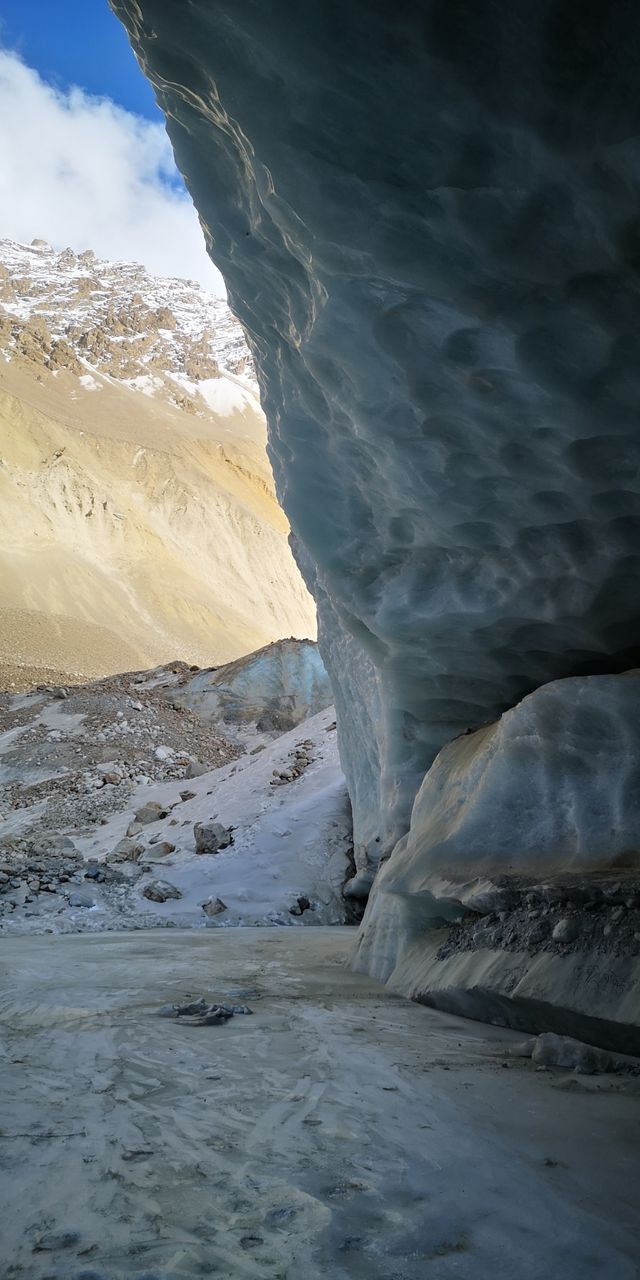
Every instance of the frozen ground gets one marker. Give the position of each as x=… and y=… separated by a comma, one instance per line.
x=338, y=1132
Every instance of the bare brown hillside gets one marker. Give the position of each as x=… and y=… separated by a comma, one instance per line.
x=132, y=529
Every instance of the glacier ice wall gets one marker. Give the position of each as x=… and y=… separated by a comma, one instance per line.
x=427, y=216
x=552, y=789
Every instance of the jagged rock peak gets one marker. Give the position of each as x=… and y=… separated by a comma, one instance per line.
x=166, y=337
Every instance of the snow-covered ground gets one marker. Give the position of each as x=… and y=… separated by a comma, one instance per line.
x=75, y=770
x=290, y=841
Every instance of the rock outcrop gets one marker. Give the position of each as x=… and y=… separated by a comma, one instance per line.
x=427, y=220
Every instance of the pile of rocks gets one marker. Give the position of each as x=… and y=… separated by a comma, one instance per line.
x=36, y=880
x=83, y=750
x=203, y=1013
x=300, y=760
x=595, y=916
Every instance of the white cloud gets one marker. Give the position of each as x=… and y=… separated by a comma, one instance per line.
x=80, y=171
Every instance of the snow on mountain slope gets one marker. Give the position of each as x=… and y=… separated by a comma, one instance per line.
x=161, y=336
x=139, y=519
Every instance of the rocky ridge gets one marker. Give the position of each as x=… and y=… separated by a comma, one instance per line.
x=74, y=311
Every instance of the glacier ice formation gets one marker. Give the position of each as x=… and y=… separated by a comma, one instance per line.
x=273, y=689
x=427, y=218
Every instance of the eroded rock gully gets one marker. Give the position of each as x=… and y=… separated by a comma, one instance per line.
x=427, y=218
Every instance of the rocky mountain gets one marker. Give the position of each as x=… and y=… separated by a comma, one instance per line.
x=140, y=521
x=168, y=338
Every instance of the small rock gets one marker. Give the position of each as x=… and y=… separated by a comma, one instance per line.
x=187, y=795
x=211, y=836
x=111, y=779
x=195, y=769
x=126, y=851
x=164, y=753
x=150, y=812
x=187, y=1010
x=160, y=891
x=81, y=898
x=214, y=907
x=214, y=1015
x=161, y=849
x=134, y=828
x=566, y=930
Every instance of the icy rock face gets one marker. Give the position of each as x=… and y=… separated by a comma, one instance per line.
x=427, y=218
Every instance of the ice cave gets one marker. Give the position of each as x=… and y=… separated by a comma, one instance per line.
x=427, y=217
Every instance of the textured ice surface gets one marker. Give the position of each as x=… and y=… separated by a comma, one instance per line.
x=554, y=785
x=427, y=219
x=551, y=789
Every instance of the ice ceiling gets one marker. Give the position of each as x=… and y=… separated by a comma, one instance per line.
x=428, y=218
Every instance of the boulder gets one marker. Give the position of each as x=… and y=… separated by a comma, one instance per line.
x=126, y=851
x=214, y=907
x=160, y=891
x=210, y=837
x=150, y=812
x=566, y=930
x=81, y=898
x=161, y=850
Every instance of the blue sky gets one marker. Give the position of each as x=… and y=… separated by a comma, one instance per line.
x=85, y=161
x=78, y=42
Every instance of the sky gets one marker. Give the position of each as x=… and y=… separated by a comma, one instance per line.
x=84, y=157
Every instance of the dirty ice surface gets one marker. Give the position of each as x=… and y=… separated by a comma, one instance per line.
x=339, y=1131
